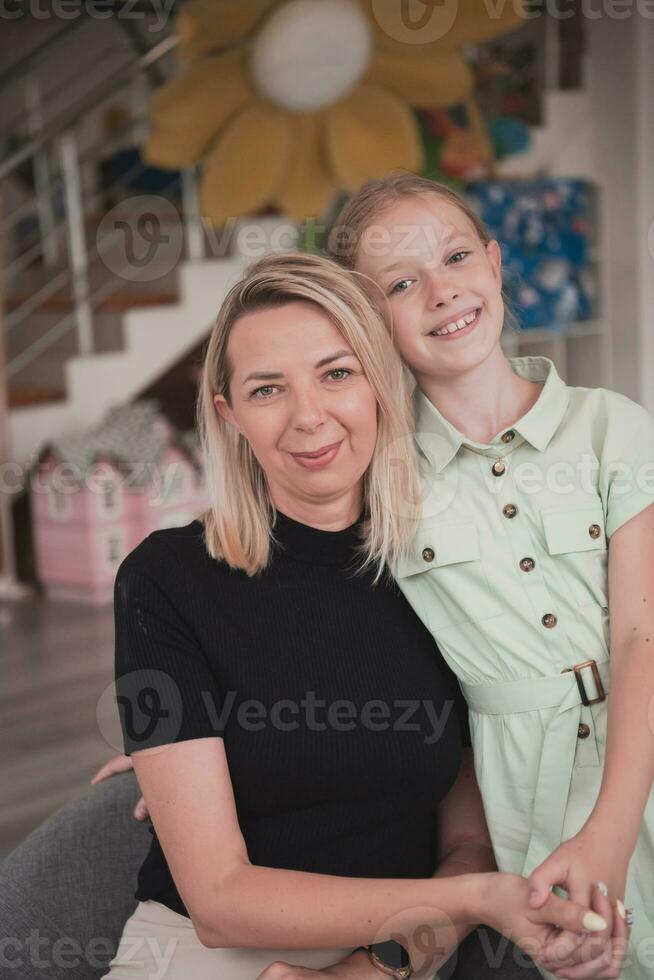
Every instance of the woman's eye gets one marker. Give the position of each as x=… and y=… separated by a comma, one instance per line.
x=458, y=256
x=265, y=391
x=343, y=372
x=396, y=288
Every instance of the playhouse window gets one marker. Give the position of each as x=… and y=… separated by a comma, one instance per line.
x=60, y=503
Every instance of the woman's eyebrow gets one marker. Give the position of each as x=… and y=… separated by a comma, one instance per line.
x=276, y=375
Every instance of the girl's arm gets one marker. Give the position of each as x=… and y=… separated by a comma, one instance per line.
x=233, y=903
x=603, y=848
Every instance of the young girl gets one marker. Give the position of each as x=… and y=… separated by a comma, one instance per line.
x=526, y=481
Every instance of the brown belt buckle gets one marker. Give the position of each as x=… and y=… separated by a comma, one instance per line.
x=585, y=700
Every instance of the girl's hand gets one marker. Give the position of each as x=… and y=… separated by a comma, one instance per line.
x=577, y=865
x=356, y=966
x=503, y=905
x=599, y=955
x=120, y=763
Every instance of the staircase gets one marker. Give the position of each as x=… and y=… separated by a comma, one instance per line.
x=106, y=285
x=110, y=286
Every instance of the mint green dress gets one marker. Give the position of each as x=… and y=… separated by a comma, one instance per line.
x=508, y=570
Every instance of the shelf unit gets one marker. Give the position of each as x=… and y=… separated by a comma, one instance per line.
x=579, y=351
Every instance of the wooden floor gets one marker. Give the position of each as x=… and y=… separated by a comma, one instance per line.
x=56, y=729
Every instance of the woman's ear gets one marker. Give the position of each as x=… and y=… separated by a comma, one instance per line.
x=494, y=254
x=223, y=409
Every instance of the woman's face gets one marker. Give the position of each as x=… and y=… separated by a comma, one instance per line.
x=436, y=273
x=301, y=399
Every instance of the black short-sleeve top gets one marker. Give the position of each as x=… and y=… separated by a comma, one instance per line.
x=342, y=723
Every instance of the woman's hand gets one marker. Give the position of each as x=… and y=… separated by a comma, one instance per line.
x=121, y=763
x=599, y=955
x=559, y=933
x=356, y=966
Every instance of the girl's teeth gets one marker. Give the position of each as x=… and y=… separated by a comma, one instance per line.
x=459, y=325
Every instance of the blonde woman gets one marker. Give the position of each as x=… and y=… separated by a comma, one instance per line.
x=289, y=718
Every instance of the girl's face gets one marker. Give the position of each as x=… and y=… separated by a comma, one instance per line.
x=301, y=399
x=443, y=285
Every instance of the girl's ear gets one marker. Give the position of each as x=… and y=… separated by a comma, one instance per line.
x=494, y=254
x=223, y=409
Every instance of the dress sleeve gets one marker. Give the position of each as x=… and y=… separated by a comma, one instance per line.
x=627, y=462
x=165, y=689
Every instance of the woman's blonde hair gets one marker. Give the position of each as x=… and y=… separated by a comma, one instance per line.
x=238, y=524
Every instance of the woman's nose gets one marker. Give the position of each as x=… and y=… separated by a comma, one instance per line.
x=308, y=412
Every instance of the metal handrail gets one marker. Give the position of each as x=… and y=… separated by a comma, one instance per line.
x=24, y=64
x=66, y=119
x=69, y=321
x=56, y=90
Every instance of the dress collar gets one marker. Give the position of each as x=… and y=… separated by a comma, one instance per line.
x=440, y=441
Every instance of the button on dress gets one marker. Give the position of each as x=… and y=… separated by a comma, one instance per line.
x=515, y=591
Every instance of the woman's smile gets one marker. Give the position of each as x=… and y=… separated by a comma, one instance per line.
x=319, y=458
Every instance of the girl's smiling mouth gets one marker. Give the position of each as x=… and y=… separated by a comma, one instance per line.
x=463, y=324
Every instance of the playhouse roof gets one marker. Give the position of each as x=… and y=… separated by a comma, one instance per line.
x=131, y=437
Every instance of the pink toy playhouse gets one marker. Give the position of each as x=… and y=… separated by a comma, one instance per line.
x=96, y=494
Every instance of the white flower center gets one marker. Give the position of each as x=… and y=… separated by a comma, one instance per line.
x=310, y=53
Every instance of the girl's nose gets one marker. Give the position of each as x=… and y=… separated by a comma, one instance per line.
x=442, y=293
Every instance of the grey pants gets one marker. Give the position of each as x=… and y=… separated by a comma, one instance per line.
x=159, y=944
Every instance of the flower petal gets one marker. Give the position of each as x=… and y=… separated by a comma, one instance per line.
x=411, y=25
x=247, y=166
x=435, y=82
x=309, y=187
x=188, y=111
x=370, y=133
x=206, y=26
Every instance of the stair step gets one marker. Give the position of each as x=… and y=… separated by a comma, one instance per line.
x=118, y=303
x=22, y=397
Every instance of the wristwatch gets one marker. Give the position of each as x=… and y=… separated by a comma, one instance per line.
x=391, y=959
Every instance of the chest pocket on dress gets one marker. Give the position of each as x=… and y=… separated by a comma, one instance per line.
x=444, y=577
x=576, y=540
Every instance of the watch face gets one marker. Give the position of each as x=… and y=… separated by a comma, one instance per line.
x=391, y=954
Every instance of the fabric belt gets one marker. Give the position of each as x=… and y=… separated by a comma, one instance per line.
x=562, y=691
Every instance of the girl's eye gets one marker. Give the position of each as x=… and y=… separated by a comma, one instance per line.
x=264, y=391
x=460, y=253
x=341, y=371
x=396, y=290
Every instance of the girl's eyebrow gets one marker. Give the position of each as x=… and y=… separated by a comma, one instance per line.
x=276, y=375
x=444, y=242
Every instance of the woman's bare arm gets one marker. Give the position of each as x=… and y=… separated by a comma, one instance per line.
x=231, y=902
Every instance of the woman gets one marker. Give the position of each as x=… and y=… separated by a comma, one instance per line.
x=526, y=479
x=264, y=680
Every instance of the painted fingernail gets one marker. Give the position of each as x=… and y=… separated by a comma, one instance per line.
x=621, y=909
x=629, y=916
x=602, y=887
x=593, y=922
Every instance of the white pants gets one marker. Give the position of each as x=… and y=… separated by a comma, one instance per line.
x=159, y=944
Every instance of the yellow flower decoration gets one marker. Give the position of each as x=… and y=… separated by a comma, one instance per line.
x=287, y=101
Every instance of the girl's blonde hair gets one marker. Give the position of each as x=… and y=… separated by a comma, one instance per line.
x=378, y=195
x=238, y=524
